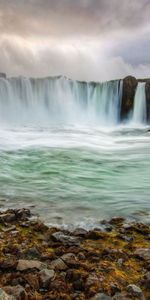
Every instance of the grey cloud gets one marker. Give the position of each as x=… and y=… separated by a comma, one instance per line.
x=71, y=17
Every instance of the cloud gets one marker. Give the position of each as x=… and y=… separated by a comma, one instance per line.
x=82, y=39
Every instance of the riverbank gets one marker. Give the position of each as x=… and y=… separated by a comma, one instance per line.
x=38, y=262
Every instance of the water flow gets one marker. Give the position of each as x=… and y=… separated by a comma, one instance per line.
x=139, y=110
x=59, y=100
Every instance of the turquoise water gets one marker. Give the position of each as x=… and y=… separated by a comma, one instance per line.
x=76, y=175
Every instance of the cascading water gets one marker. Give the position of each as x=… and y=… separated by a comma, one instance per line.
x=59, y=100
x=139, y=110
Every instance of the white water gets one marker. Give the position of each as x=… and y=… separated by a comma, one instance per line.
x=139, y=110
x=61, y=151
x=59, y=101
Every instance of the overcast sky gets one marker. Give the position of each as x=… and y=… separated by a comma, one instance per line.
x=82, y=39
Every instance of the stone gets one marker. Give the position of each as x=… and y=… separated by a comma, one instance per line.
x=9, y=263
x=129, y=88
x=17, y=291
x=70, y=260
x=45, y=277
x=92, y=280
x=135, y=291
x=33, y=252
x=143, y=253
x=120, y=296
x=7, y=217
x=58, y=264
x=23, y=214
x=24, y=265
x=65, y=239
x=101, y=296
x=5, y=296
x=80, y=232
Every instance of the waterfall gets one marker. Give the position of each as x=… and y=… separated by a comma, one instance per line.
x=59, y=100
x=139, y=110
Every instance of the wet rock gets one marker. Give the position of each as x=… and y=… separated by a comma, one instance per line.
x=23, y=214
x=80, y=232
x=65, y=239
x=95, y=235
x=17, y=291
x=129, y=88
x=143, y=253
x=7, y=217
x=146, y=281
x=45, y=277
x=117, y=221
x=135, y=291
x=5, y=296
x=24, y=265
x=58, y=264
x=101, y=296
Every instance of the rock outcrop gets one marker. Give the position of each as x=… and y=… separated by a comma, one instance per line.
x=129, y=87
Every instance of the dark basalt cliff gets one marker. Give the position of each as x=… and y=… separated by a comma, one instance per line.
x=129, y=88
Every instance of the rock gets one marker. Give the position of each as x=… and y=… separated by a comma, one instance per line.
x=80, y=232
x=92, y=280
x=147, y=90
x=135, y=291
x=129, y=88
x=58, y=264
x=45, y=277
x=143, y=253
x=7, y=217
x=12, y=228
x=120, y=296
x=78, y=285
x=9, y=263
x=101, y=297
x=24, y=265
x=65, y=239
x=17, y=291
x=70, y=260
x=117, y=221
x=23, y=214
x=33, y=252
x=4, y=296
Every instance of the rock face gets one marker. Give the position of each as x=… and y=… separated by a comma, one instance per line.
x=147, y=88
x=128, y=93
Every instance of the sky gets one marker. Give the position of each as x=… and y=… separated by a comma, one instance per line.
x=92, y=40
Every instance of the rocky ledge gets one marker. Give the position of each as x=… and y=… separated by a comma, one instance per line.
x=38, y=262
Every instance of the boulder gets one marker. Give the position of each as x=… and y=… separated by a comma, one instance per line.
x=7, y=217
x=128, y=93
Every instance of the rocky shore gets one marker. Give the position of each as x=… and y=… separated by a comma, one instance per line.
x=38, y=262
